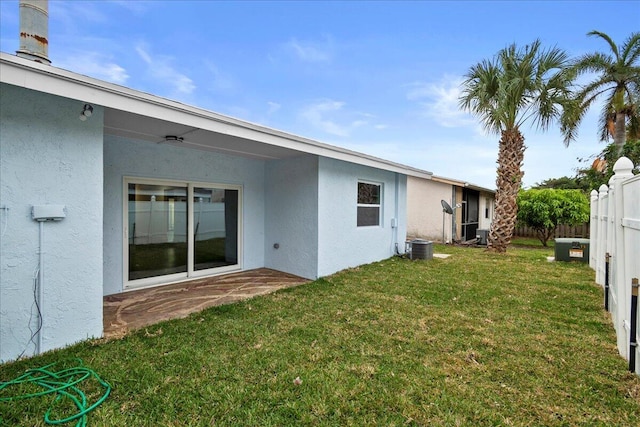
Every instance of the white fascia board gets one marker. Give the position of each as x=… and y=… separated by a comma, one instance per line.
x=448, y=181
x=459, y=183
x=45, y=78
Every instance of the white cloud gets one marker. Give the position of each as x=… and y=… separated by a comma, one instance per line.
x=273, y=107
x=316, y=115
x=160, y=67
x=70, y=13
x=219, y=81
x=137, y=6
x=309, y=51
x=94, y=65
x=331, y=117
x=439, y=101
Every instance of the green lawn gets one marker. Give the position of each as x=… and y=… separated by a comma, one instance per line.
x=473, y=340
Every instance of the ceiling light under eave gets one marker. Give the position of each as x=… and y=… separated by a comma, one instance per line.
x=173, y=138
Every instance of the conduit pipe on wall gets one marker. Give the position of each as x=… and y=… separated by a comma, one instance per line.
x=42, y=214
x=40, y=283
x=395, y=209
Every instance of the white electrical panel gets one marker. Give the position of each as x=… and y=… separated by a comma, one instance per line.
x=48, y=212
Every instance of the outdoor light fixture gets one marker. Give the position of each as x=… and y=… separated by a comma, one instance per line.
x=87, y=111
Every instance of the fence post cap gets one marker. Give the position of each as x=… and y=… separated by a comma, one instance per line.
x=623, y=166
x=594, y=194
x=603, y=189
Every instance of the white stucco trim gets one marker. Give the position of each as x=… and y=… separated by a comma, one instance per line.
x=47, y=79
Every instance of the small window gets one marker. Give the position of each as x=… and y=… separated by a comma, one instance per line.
x=487, y=209
x=368, y=204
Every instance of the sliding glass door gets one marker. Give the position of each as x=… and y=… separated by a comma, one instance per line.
x=177, y=230
x=215, y=219
x=157, y=230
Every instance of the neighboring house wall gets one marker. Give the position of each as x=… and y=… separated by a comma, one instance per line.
x=342, y=243
x=291, y=219
x=457, y=213
x=147, y=160
x=486, y=210
x=424, y=209
x=48, y=156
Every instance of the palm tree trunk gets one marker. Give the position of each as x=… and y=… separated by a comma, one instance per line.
x=619, y=137
x=510, y=157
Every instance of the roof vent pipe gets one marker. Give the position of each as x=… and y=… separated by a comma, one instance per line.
x=34, y=30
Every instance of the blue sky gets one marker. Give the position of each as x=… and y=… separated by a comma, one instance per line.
x=381, y=77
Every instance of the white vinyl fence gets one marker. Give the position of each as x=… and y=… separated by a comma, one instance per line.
x=615, y=254
x=160, y=222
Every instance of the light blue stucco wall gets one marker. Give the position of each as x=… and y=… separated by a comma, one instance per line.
x=341, y=243
x=291, y=220
x=49, y=156
x=123, y=157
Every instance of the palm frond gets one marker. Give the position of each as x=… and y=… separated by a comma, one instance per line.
x=593, y=63
x=609, y=40
x=631, y=49
x=527, y=83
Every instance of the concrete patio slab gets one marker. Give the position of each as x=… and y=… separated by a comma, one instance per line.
x=132, y=310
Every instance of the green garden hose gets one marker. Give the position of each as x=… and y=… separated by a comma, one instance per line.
x=65, y=384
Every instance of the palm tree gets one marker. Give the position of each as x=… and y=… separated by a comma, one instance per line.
x=518, y=85
x=618, y=81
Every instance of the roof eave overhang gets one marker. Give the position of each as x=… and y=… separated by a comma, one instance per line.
x=463, y=184
x=45, y=78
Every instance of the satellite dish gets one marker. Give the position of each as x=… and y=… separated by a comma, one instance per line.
x=446, y=207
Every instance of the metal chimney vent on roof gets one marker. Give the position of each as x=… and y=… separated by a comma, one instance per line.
x=34, y=30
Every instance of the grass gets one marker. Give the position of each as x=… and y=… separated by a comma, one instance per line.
x=531, y=242
x=475, y=339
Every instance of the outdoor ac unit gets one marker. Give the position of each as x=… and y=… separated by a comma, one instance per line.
x=420, y=249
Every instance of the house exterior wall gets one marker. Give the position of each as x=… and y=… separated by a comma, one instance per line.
x=291, y=220
x=341, y=243
x=49, y=156
x=425, y=210
x=124, y=157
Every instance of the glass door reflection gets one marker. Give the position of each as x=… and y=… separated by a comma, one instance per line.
x=157, y=230
x=215, y=227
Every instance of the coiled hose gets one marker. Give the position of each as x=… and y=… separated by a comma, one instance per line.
x=65, y=384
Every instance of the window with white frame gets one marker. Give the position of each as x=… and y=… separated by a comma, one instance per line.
x=369, y=202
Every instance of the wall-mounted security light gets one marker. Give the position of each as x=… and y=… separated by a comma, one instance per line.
x=87, y=111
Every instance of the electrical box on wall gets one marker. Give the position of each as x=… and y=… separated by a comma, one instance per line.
x=48, y=212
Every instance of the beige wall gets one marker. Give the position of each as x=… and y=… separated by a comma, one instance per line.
x=487, y=200
x=424, y=211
